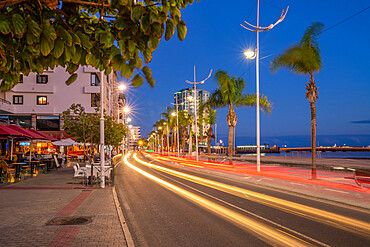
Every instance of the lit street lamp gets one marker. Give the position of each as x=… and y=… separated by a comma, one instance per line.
x=249, y=54
x=195, y=108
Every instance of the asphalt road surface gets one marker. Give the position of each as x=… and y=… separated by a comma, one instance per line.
x=168, y=205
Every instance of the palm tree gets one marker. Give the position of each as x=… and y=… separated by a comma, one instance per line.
x=304, y=58
x=170, y=121
x=210, y=120
x=230, y=93
x=184, y=121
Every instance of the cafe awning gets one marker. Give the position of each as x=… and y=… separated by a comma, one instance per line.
x=6, y=131
x=27, y=133
x=44, y=135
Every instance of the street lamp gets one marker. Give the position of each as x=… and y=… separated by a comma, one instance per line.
x=168, y=141
x=195, y=107
x=249, y=54
x=177, y=122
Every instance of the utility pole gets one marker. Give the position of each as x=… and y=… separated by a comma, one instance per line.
x=258, y=29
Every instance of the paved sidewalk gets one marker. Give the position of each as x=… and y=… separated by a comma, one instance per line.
x=27, y=206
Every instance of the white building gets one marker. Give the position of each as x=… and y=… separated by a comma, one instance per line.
x=134, y=135
x=38, y=100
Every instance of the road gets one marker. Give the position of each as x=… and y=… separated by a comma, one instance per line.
x=168, y=205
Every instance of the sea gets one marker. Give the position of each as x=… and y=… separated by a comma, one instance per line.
x=305, y=141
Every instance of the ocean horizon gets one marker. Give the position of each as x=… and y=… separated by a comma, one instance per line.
x=302, y=140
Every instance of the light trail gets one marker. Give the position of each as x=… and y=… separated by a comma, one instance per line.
x=266, y=233
x=325, y=217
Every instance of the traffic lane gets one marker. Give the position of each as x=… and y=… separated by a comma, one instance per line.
x=308, y=227
x=158, y=217
x=238, y=180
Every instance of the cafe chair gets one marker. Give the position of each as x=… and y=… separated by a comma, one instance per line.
x=78, y=173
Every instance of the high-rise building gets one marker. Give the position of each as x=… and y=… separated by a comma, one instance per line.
x=134, y=135
x=185, y=101
x=38, y=101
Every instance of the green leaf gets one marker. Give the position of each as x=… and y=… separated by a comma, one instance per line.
x=107, y=39
x=33, y=26
x=75, y=39
x=20, y=26
x=76, y=57
x=144, y=23
x=157, y=29
x=69, y=52
x=139, y=62
x=90, y=59
x=137, y=81
x=30, y=38
x=107, y=70
x=181, y=30
x=151, y=82
x=131, y=45
x=137, y=12
x=127, y=71
x=58, y=48
x=170, y=29
x=5, y=25
x=71, y=79
x=153, y=43
x=46, y=45
x=84, y=40
x=122, y=45
x=71, y=68
x=147, y=72
x=65, y=35
x=147, y=56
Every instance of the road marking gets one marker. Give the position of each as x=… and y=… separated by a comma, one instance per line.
x=297, y=184
x=265, y=232
x=356, y=226
x=344, y=192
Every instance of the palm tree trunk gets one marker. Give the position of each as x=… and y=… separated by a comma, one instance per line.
x=312, y=96
x=313, y=139
x=231, y=141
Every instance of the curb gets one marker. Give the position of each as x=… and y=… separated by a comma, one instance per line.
x=122, y=220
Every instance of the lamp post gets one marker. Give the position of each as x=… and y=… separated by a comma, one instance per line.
x=178, y=129
x=125, y=111
x=249, y=54
x=168, y=141
x=121, y=87
x=102, y=154
x=195, y=107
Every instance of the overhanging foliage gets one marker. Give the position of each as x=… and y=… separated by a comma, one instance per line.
x=36, y=35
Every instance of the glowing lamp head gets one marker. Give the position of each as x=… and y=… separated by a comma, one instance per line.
x=126, y=109
x=173, y=114
x=122, y=87
x=249, y=54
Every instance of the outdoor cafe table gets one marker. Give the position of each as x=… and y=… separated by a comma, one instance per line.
x=18, y=168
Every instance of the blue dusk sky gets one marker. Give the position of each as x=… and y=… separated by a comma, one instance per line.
x=215, y=40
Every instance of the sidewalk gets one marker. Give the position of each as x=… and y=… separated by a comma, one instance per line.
x=26, y=208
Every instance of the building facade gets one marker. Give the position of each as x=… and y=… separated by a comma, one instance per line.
x=185, y=101
x=38, y=101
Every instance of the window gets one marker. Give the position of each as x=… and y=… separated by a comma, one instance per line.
x=94, y=79
x=41, y=79
x=20, y=78
x=48, y=123
x=18, y=99
x=42, y=100
x=95, y=99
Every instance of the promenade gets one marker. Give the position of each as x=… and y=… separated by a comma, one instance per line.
x=26, y=208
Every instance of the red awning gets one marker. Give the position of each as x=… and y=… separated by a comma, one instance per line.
x=27, y=133
x=6, y=131
x=44, y=135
